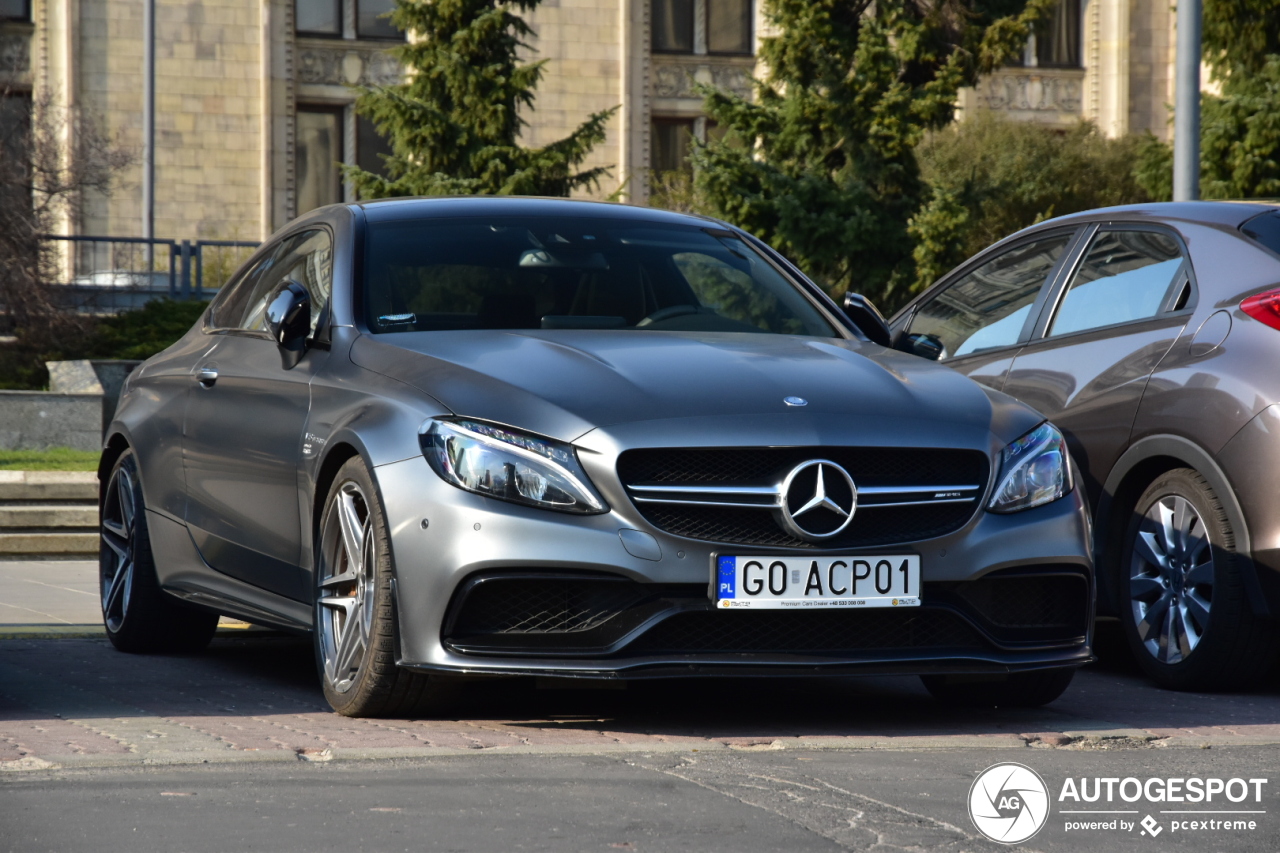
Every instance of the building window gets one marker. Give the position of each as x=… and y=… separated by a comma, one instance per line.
x=371, y=20
x=1057, y=40
x=729, y=26
x=325, y=18
x=318, y=17
x=317, y=157
x=15, y=10
x=371, y=147
x=702, y=26
x=671, y=142
x=673, y=26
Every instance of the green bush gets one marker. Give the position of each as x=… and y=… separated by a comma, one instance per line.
x=990, y=177
x=136, y=334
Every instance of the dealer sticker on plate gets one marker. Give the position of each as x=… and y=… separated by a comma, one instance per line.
x=777, y=583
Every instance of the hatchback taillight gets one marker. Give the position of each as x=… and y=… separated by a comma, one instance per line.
x=1264, y=307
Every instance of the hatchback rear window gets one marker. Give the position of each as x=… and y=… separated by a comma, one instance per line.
x=545, y=273
x=1265, y=229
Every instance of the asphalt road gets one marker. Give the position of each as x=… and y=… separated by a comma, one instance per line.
x=234, y=749
x=727, y=801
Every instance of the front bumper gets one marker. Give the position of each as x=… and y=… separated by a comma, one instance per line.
x=469, y=538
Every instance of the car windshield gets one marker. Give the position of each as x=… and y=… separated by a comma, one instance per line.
x=548, y=273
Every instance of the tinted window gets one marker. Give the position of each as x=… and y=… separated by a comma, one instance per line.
x=229, y=307
x=544, y=273
x=306, y=259
x=1265, y=229
x=1124, y=276
x=987, y=307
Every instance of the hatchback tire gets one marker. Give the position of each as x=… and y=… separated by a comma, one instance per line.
x=1183, y=604
x=139, y=616
x=355, y=615
x=1017, y=690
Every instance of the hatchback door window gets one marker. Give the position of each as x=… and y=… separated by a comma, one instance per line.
x=987, y=308
x=1123, y=276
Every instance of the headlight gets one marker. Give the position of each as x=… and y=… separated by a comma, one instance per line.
x=1034, y=470
x=513, y=466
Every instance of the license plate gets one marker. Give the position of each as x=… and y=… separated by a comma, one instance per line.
x=777, y=583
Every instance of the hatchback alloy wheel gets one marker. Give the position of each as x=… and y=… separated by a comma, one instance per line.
x=1171, y=579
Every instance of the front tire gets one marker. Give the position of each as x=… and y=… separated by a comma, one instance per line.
x=1017, y=690
x=1183, y=604
x=139, y=616
x=355, y=618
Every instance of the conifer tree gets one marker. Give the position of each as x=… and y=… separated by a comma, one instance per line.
x=821, y=162
x=454, y=125
x=1240, y=127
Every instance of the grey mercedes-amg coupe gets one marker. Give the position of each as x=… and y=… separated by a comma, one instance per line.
x=526, y=436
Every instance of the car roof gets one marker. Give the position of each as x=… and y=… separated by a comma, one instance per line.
x=390, y=209
x=1229, y=213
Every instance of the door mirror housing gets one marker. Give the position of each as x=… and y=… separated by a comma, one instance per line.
x=289, y=321
x=925, y=346
x=868, y=318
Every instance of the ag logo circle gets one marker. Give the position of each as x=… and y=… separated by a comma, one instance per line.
x=1009, y=803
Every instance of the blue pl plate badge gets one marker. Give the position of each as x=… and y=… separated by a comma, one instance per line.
x=728, y=578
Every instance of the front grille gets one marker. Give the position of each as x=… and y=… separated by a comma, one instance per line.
x=811, y=632
x=870, y=468
x=757, y=527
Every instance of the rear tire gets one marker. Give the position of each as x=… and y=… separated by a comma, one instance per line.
x=1017, y=690
x=355, y=615
x=1183, y=604
x=139, y=616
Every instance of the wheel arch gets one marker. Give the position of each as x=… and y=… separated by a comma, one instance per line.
x=1136, y=469
x=112, y=450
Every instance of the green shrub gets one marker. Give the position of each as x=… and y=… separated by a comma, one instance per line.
x=990, y=177
x=136, y=334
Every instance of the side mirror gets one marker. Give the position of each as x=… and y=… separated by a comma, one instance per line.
x=925, y=346
x=868, y=318
x=289, y=321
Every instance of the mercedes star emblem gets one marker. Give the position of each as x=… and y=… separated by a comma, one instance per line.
x=817, y=500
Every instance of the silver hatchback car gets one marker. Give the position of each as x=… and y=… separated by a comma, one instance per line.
x=524, y=436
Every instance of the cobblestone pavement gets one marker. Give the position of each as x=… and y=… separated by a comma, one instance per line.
x=251, y=697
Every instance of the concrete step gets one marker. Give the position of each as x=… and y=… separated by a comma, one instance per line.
x=66, y=515
x=79, y=544
x=49, y=486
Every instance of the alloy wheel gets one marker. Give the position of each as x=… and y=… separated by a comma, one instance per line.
x=1171, y=579
x=118, y=557
x=348, y=579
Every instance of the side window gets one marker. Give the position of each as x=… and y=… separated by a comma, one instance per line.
x=305, y=258
x=987, y=307
x=228, y=307
x=1123, y=276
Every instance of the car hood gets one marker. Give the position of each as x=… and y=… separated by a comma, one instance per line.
x=563, y=384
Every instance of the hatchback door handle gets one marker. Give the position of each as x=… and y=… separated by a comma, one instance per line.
x=207, y=376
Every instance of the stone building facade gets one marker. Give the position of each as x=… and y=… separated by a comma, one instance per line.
x=253, y=104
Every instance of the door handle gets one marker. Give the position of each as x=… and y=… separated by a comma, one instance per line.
x=207, y=376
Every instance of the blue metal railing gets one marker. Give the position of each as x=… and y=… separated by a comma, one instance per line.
x=108, y=274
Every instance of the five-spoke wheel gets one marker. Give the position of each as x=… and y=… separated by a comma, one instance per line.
x=355, y=609
x=138, y=615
